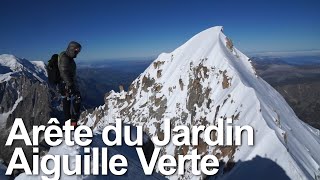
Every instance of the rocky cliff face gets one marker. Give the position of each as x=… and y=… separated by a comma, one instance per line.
x=26, y=99
x=24, y=93
x=205, y=79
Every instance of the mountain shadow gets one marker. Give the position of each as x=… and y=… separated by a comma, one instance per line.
x=257, y=168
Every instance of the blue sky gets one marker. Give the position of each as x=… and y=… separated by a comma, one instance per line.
x=134, y=29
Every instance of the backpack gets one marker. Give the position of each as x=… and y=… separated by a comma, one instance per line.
x=53, y=70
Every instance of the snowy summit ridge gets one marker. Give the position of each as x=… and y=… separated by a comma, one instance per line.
x=208, y=78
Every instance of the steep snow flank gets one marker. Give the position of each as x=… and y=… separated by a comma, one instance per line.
x=10, y=61
x=40, y=69
x=11, y=66
x=40, y=65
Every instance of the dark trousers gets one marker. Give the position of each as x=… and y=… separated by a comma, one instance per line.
x=71, y=105
x=71, y=109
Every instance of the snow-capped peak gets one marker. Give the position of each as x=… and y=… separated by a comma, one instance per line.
x=204, y=79
x=10, y=61
x=11, y=65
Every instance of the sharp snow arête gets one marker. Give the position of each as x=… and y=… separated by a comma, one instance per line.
x=204, y=79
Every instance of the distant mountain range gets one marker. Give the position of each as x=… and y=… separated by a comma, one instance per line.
x=297, y=79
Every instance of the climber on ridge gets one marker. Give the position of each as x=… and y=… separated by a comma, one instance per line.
x=68, y=86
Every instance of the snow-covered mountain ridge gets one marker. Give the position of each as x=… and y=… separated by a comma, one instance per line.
x=14, y=66
x=202, y=80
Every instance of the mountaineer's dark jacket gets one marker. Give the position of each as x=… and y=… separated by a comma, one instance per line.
x=67, y=66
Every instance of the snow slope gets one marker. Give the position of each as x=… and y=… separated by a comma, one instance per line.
x=13, y=66
x=202, y=80
x=62, y=149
